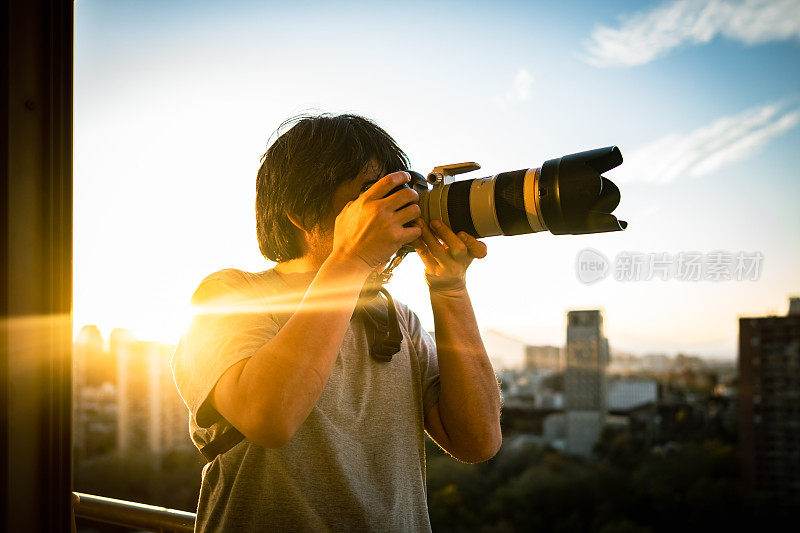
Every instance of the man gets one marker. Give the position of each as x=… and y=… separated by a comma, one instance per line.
x=334, y=438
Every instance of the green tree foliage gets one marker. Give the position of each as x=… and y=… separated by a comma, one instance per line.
x=629, y=490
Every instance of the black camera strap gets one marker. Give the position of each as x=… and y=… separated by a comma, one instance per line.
x=221, y=444
x=382, y=326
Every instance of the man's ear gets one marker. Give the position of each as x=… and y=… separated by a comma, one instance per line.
x=297, y=222
x=301, y=232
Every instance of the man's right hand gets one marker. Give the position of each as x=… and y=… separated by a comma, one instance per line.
x=371, y=227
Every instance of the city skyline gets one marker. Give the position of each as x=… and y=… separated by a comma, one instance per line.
x=174, y=107
x=505, y=352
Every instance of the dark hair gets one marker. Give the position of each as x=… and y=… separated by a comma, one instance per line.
x=304, y=166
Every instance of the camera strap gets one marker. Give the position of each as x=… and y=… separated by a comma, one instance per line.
x=221, y=444
x=382, y=326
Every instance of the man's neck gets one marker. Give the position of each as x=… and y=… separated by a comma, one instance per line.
x=298, y=272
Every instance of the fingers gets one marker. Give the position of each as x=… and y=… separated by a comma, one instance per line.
x=446, y=262
x=456, y=247
x=399, y=199
x=407, y=214
x=476, y=248
x=412, y=233
x=382, y=187
x=471, y=245
x=435, y=247
x=425, y=254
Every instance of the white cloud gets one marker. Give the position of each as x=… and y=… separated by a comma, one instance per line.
x=647, y=35
x=709, y=148
x=520, y=91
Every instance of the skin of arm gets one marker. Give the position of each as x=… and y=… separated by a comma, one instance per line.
x=269, y=395
x=466, y=420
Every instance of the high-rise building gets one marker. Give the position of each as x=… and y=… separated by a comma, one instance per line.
x=769, y=403
x=151, y=416
x=584, y=381
x=124, y=398
x=539, y=358
x=93, y=396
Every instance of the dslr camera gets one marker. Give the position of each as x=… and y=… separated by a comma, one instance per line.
x=568, y=195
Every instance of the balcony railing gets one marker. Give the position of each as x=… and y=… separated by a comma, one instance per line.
x=130, y=514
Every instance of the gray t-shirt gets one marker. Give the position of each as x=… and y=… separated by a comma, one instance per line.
x=357, y=463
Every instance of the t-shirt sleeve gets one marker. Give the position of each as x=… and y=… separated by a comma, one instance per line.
x=425, y=347
x=230, y=323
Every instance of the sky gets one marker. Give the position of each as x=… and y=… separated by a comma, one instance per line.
x=175, y=103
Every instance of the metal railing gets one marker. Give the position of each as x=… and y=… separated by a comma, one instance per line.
x=131, y=514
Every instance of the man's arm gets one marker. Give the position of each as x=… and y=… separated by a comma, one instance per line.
x=466, y=421
x=269, y=395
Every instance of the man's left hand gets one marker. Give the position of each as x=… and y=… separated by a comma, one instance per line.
x=446, y=255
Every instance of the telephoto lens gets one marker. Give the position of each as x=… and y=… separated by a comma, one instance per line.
x=567, y=195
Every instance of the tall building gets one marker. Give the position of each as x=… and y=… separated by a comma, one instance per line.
x=124, y=398
x=151, y=416
x=93, y=396
x=769, y=403
x=585, y=381
x=539, y=358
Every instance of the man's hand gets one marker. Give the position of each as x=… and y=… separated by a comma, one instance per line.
x=371, y=226
x=446, y=255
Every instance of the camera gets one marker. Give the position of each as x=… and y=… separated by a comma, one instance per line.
x=567, y=195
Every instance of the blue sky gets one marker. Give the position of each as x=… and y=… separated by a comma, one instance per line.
x=175, y=103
